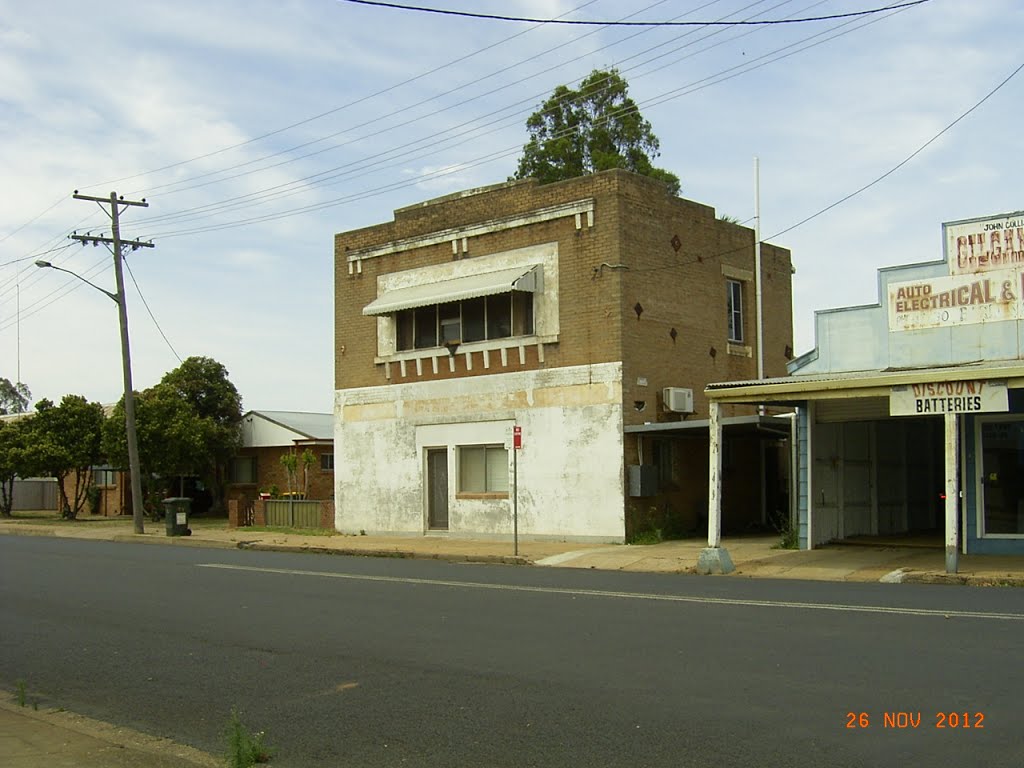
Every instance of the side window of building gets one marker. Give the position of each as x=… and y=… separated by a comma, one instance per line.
x=242, y=470
x=734, y=309
x=103, y=477
x=327, y=462
x=483, y=469
x=663, y=457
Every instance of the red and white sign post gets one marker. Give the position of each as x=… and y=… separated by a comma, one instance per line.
x=517, y=444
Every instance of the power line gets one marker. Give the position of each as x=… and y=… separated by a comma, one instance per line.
x=30, y=221
x=36, y=255
x=906, y=160
x=489, y=158
x=653, y=101
x=329, y=112
x=842, y=200
x=321, y=179
x=393, y=113
x=150, y=311
x=296, y=186
x=498, y=17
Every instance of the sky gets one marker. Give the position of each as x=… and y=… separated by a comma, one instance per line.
x=258, y=130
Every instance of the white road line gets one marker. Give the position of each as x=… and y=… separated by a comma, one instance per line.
x=630, y=595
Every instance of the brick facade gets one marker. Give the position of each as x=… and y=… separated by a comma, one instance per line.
x=635, y=221
x=641, y=281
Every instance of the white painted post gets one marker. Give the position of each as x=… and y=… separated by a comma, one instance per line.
x=713, y=558
x=714, y=474
x=952, y=491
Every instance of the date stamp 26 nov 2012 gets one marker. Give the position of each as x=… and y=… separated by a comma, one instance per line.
x=912, y=720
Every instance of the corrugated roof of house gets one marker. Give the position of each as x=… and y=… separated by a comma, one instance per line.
x=315, y=426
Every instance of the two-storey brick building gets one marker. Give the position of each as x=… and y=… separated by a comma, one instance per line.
x=589, y=314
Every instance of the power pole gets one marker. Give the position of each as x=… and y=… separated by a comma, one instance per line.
x=117, y=244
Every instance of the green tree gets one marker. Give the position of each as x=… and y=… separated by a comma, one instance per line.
x=204, y=384
x=290, y=462
x=595, y=127
x=187, y=425
x=64, y=443
x=13, y=441
x=14, y=398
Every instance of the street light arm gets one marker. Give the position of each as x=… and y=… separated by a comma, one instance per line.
x=48, y=265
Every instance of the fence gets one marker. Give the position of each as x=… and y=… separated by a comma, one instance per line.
x=294, y=513
x=36, y=493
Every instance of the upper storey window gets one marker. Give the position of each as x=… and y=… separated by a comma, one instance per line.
x=484, y=307
x=484, y=318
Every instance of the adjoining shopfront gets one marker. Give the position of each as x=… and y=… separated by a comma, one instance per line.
x=910, y=412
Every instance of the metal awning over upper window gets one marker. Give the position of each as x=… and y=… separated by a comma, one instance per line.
x=527, y=279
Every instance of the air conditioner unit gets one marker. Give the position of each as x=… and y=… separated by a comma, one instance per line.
x=678, y=399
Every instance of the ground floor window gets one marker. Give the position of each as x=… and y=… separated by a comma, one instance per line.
x=104, y=476
x=242, y=470
x=327, y=462
x=1002, y=445
x=483, y=469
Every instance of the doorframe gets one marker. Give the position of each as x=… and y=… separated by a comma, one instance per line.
x=427, y=450
x=979, y=469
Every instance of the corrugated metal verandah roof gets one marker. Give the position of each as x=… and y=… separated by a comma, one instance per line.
x=788, y=389
x=456, y=289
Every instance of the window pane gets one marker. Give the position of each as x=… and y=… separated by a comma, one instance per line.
x=450, y=322
x=242, y=470
x=497, y=470
x=522, y=313
x=426, y=327
x=734, y=308
x=499, y=316
x=103, y=477
x=472, y=475
x=404, y=330
x=473, y=320
x=327, y=461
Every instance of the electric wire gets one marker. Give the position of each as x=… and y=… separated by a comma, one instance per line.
x=379, y=190
x=845, y=198
x=436, y=144
x=290, y=188
x=580, y=22
x=329, y=112
x=500, y=154
x=906, y=160
x=150, y=311
x=430, y=139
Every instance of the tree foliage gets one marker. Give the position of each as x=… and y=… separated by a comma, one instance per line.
x=13, y=442
x=14, y=398
x=187, y=425
x=63, y=442
x=595, y=127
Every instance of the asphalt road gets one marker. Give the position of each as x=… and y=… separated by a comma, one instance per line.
x=386, y=662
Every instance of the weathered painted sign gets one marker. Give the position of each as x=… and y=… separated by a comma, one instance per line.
x=930, y=398
x=956, y=300
x=983, y=245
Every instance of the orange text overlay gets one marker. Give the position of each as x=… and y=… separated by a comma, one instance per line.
x=906, y=720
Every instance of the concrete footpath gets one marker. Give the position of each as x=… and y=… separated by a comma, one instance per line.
x=893, y=560
x=31, y=738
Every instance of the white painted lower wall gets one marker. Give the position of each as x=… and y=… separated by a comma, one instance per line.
x=570, y=468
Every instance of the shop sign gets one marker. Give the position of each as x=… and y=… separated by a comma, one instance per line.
x=931, y=398
x=956, y=300
x=982, y=245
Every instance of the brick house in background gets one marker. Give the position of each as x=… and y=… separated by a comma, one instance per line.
x=268, y=435
x=590, y=313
